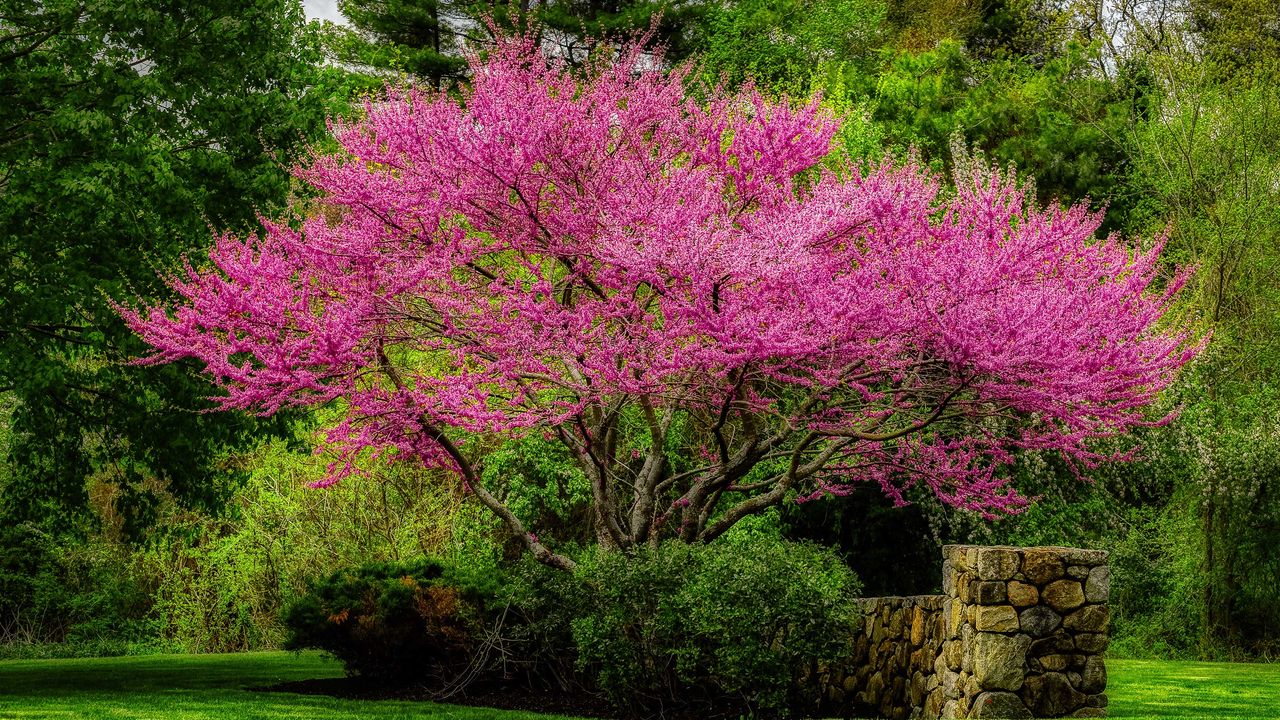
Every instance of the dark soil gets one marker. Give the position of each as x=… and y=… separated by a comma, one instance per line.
x=509, y=697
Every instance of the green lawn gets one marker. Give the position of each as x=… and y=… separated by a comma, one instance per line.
x=199, y=687
x=211, y=687
x=1161, y=689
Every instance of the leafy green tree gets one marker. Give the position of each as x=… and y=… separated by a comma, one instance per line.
x=917, y=25
x=1029, y=29
x=1208, y=166
x=1238, y=35
x=780, y=43
x=1035, y=30
x=128, y=130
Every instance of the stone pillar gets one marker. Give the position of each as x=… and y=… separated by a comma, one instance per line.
x=1025, y=629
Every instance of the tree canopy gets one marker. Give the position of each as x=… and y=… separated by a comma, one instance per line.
x=601, y=256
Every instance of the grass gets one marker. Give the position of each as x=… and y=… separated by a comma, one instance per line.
x=1164, y=689
x=212, y=687
x=199, y=687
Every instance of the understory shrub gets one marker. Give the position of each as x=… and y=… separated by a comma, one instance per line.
x=732, y=628
x=64, y=596
x=418, y=621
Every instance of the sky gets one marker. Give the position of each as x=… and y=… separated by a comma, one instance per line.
x=322, y=10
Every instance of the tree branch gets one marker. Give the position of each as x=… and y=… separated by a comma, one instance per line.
x=472, y=480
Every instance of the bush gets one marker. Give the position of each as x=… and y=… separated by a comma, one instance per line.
x=721, y=630
x=539, y=605
x=414, y=621
x=737, y=627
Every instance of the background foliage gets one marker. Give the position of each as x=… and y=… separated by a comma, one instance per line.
x=130, y=521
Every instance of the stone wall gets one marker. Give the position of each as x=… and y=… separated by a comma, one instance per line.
x=893, y=668
x=1017, y=633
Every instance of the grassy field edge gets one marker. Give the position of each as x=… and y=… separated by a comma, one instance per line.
x=215, y=687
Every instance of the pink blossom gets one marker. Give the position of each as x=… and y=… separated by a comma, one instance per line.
x=556, y=250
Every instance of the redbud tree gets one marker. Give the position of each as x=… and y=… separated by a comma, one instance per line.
x=599, y=256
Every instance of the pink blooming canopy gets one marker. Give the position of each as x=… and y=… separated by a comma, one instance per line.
x=677, y=289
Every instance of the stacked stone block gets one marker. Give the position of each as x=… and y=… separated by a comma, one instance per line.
x=1026, y=628
x=1017, y=633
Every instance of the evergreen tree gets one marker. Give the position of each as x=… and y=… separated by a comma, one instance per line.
x=422, y=38
x=426, y=39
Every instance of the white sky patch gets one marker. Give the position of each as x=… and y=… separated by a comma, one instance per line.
x=323, y=10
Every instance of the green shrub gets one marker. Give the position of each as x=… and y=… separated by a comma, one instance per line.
x=721, y=630
x=416, y=620
x=84, y=594
x=538, y=605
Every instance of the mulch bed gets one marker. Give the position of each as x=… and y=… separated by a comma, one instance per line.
x=509, y=697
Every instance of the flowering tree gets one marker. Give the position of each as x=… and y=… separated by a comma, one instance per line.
x=603, y=258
